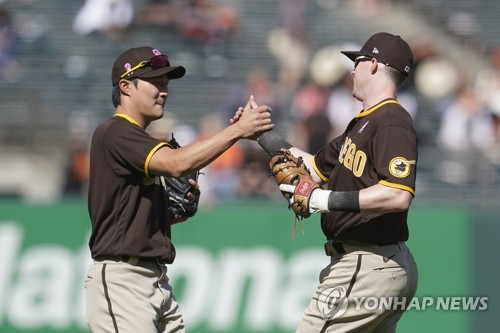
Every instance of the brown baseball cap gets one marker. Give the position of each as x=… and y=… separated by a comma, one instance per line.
x=387, y=48
x=144, y=62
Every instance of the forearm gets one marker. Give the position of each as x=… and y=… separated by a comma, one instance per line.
x=195, y=156
x=375, y=199
x=272, y=142
x=384, y=199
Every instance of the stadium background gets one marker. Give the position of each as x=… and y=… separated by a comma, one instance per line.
x=55, y=60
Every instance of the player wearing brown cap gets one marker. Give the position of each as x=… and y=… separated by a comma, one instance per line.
x=369, y=177
x=127, y=286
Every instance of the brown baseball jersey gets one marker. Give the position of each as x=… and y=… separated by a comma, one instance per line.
x=127, y=205
x=379, y=146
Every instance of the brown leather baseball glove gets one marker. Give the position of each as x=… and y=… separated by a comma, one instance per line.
x=177, y=189
x=291, y=170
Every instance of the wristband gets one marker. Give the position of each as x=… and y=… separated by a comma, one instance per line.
x=344, y=201
x=272, y=142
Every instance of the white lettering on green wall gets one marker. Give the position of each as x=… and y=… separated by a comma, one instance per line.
x=41, y=285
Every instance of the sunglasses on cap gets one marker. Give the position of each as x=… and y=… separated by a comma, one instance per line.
x=157, y=62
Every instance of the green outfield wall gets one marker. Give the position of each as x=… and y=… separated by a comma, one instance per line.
x=238, y=269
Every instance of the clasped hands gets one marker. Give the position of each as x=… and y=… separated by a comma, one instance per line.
x=259, y=117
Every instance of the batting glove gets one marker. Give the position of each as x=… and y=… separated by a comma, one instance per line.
x=318, y=199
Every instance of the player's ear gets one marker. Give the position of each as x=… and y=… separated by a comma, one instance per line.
x=125, y=86
x=373, y=66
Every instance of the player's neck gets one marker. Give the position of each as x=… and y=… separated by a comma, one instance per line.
x=123, y=110
x=377, y=97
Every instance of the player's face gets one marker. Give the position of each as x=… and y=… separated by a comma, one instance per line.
x=361, y=69
x=151, y=96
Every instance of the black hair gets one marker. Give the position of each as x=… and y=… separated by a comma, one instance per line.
x=115, y=95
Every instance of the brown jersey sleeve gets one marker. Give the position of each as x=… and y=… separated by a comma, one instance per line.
x=130, y=149
x=395, y=156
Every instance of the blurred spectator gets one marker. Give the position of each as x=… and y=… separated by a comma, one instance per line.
x=78, y=159
x=488, y=82
x=10, y=69
x=435, y=81
x=496, y=130
x=207, y=21
x=158, y=13
x=220, y=178
x=433, y=84
x=466, y=133
x=7, y=37
x=289, y=43
x=333, y=107
x=77, y=173
x=368, y=8
x=341, y=106
x=465, y=123
x=488, y=88
x=162, y=129
x=257, y=83
x=108, y=17
x=294, y=18
x=312, y=128
x=254, y=175
x=211, y=23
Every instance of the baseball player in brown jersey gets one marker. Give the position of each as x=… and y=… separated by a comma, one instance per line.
x=127, y=288
x=369, y=175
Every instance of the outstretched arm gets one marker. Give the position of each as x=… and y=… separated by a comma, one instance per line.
x=375, y=199
x=178, y=162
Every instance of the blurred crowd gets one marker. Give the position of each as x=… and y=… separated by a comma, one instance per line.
x=456, y=110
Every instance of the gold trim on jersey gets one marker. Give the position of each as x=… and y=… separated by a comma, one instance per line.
x=373, y=108
x=150, y=156
x=399, y=186
x=151, y=153
x=129, y=118
x=323, y=178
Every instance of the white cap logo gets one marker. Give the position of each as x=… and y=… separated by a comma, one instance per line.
x=375, y=50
